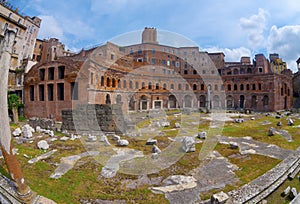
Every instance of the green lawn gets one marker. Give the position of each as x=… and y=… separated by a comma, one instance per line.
x=83, y=181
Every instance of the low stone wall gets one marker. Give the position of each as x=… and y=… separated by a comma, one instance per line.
x=44, y=123
x=7, y=193
x=94, y=117
x=260, y=188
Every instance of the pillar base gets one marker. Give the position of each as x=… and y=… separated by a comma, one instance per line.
x=28, y=197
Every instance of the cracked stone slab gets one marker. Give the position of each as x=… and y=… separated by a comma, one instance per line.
x=122, y=154
x=176, y=183
x=285, y=134
x=43, y=156
x=67, y=163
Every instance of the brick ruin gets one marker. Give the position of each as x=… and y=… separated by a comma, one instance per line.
x=150, y=76
x=94, y=118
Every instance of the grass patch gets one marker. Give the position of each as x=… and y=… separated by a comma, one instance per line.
x=259, y=132
x=83, y=181
x=250, y=166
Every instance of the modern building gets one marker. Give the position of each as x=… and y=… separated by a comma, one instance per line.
x=26, y=33
x=150, y=75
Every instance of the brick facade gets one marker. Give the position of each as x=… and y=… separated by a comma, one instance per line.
x=153, y=76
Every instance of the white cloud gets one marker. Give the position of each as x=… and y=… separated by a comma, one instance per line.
x=50, y=28
x=284, y=41
x=255, y=26
x=232, y=55
x=106, y=7
x=77, y=28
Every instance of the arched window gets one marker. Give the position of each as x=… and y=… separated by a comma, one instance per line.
x=143, y=85
x=202, y=87
x=187, y=87
x=249, y=71
x=137, y=85
x=113, y=82
x=242, y=71
x=235, y=71
x=179, y=87
x=130, y=84
x=235, y=87
x=149, y=85
x=194, y=87
x=157, y=86
x=165, y=86
x=108, y=82
x=119, y=83
x=242, y=87
x=172, y=86
x=229, y=87
x=102, y=81
x=124, y=84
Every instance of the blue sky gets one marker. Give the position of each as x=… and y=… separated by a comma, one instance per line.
x=238, y=28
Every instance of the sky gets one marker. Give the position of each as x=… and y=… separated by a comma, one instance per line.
x=237, y=28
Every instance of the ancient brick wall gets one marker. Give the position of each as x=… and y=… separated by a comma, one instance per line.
x=94, y=117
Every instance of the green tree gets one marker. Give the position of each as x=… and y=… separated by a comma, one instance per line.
x=14, y=103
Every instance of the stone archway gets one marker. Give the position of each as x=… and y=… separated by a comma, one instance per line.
x=229, y=102
x=172, y=102
x=216, y=101
x=144, y=103
x=188, y=103
x=202, y=100
x=119, y=99
x=107, y=100
x=254, y=102
x=242, y=101
x=131, y=104
x=266, y=102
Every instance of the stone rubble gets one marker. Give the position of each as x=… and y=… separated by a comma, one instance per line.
x=155, y=149
x=27, y=131
x=177, y=125
x=43, y=156
x=271, y=131
x=290, y=122
x=17, y=132
x=188, y=144
x=122, y=143
x=43, y=145
x=202, y=135
x=151, y=141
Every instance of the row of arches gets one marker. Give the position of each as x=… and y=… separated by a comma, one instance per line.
x=145, y=102
x=130, y=84
x=237, y=71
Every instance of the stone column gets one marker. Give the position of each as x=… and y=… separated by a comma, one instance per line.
x=23, y=191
